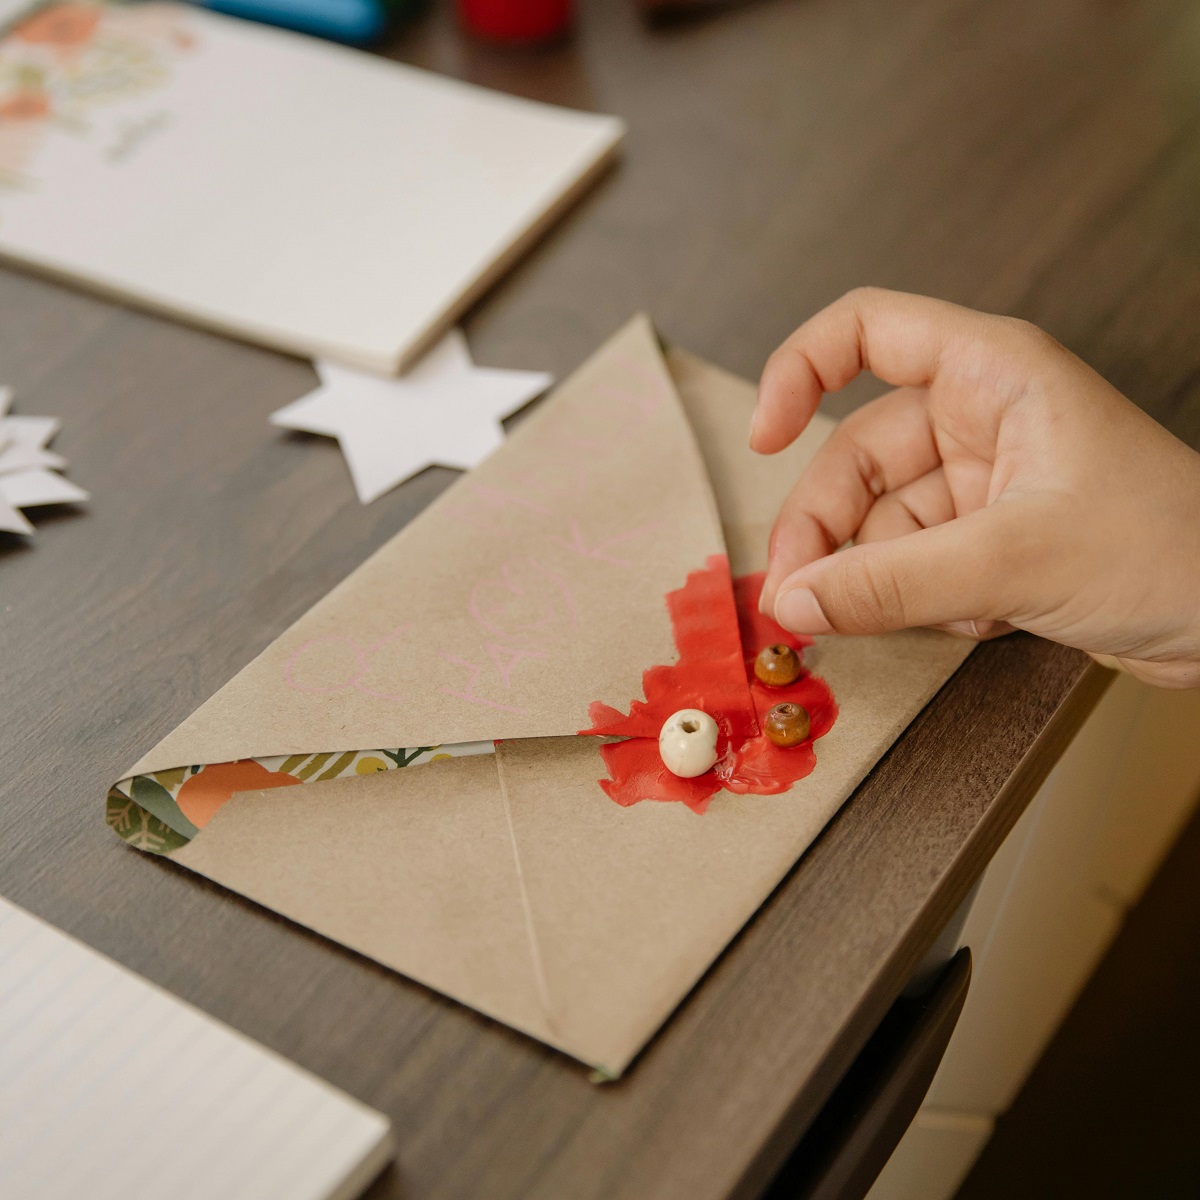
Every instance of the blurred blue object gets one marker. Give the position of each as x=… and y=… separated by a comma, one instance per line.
x=354, y=21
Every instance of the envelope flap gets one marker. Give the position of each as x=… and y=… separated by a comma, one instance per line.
x=533, y=587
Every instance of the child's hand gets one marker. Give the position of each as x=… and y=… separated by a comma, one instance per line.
x=1002, y=484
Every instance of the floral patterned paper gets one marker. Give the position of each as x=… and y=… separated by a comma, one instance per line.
x=164, y=810
x=63, y=62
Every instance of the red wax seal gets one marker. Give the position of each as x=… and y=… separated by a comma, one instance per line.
x=719, y=633
x=516, y=20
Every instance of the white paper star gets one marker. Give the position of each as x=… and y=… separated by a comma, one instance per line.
x=24, y=444
x=445, y=410
x=12, y=520
x=25, y=481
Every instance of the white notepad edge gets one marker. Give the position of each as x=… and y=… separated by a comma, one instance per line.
x=372, y=1162
x=502, y=261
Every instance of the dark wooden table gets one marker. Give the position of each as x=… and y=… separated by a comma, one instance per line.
x=1034, y=157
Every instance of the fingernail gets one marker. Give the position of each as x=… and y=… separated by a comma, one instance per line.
x=798, y=610
x=753, y=425
x=767, y=609
x=967, y=629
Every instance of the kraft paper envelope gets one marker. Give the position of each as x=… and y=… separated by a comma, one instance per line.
x=452, y=824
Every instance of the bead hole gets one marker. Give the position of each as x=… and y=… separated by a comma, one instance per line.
x=689, y=726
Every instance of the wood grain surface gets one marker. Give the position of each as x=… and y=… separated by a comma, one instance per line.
x=1040, y=158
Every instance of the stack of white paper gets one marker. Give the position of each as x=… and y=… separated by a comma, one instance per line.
x=285, y=190
x=114, y=1090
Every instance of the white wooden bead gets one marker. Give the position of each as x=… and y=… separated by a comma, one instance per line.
x=688, y=743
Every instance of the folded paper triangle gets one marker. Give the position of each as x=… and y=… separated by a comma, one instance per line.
x=529, y=590
x=540, y=596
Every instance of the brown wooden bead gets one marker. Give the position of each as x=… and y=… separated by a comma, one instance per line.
x=787, y=724
x=777, y=666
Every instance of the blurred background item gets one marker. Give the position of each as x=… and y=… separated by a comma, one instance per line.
x=517, y=21
x=661, y=11
x=357, y=22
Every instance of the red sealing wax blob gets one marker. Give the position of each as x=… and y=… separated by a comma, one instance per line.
x=718, y=633
x=516, y=20
x=765, y=769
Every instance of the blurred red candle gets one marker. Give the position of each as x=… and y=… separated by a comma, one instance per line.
x=516, y=20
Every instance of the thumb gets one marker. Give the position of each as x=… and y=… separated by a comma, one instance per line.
x=976, y=567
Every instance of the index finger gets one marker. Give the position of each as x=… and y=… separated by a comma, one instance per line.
x=901, y=338
x=878, y=449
